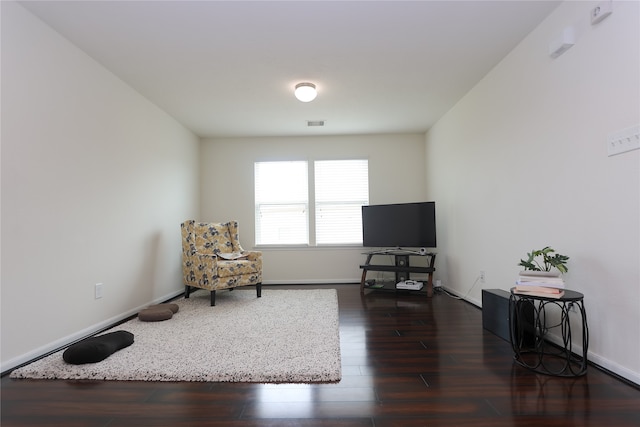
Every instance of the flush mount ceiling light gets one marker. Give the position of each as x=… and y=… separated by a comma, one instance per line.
x=305, y=92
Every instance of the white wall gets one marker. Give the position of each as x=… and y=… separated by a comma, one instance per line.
x=520, y=162
x=95, y=182
x=396, y=174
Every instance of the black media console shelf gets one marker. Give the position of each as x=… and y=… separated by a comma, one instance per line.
x=402, y=267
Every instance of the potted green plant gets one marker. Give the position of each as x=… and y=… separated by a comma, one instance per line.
x=544, y=260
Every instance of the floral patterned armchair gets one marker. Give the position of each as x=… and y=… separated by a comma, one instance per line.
x=213, y=259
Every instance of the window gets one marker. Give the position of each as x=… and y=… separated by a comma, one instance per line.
x=341, y=188
x=287, y=215
x=282, y=203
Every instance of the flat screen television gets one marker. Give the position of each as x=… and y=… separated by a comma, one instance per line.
x=400, y=225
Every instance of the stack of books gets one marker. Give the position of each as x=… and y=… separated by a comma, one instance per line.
x=540, y=283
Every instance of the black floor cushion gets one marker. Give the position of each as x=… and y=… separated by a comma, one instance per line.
x=96, y=349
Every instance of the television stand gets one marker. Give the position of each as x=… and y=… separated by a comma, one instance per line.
x=401, y=266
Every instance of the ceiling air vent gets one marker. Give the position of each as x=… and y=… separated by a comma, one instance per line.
x=315, y=122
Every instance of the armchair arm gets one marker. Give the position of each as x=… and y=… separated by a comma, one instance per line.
x=255, y=257
x=206, y=261
x=200, y=270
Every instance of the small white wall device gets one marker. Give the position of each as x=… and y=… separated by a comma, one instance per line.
x=562, y=43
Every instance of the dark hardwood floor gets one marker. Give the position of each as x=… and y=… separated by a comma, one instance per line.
x=407, y=361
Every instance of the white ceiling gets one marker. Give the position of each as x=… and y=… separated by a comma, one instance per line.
x=228, y=68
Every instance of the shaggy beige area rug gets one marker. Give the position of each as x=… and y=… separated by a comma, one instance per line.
x=287, y=336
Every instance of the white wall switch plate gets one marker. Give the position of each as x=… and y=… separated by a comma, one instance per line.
x=623, y=140
x=98, y=290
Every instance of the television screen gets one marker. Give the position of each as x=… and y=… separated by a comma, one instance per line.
x=401, y=225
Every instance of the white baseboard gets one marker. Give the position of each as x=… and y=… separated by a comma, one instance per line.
x=466, y=298
x=86, y=332
x=34, y=354
x=623, y=372
x=599, y=360
x=596, y=359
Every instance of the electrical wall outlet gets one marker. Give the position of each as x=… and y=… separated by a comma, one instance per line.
x=482, y=276
x=438, y=284
x=601, y=11
x=98, y=290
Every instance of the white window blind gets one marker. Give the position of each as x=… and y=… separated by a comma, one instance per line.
x=281, y=203
x=341, y=189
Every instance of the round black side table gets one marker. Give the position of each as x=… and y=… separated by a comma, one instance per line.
x=528, y=317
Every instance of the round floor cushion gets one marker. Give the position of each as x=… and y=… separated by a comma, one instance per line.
x=158, y=312
x=155, y=314
x=96, y=349
x=173, y=307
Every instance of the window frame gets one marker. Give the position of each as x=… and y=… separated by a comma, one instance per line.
x=311, y=211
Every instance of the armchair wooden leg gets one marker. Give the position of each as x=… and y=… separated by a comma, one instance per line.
x=213, y=298
x=187, y=291
x=259, y=289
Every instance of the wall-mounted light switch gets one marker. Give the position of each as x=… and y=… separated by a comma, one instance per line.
x=623, y=140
